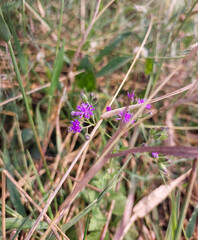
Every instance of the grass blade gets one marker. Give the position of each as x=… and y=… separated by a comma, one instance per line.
x=112, y=45
x=15, y=223
x=58, y=64
x=113, y=65
x=192, y=223
x=14, y=195
x=187, y=199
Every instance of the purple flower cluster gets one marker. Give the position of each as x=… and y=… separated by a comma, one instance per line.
x=131, y=96
x=83, y=110
x=140, y=101
x=125, y=116
x=75, y=126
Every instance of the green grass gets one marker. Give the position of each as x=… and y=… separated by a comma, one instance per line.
x=88, y=185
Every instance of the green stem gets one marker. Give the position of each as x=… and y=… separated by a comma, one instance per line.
x=60, y=26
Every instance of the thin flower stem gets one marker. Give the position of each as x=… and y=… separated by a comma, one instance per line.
x=110, y=122
x=88, y=122
x=94, y=120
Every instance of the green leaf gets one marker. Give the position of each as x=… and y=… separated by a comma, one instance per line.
x=15, y=223
x=27, y=135
x=192, y=223
x=58, y=64
x=112, y=46
x=5, y=34
x=113, y=65
x=187, y=40
x=22, y=57
x=14, y=195
x=96, y=236
x=97, y=220
x=153, y=131
x=120, y=201
x=148, y=66
x=86, y=79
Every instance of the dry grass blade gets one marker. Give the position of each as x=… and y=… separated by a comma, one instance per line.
x=190, y=55
x=178, y=151
x=44, y=24
x=127, y=213
x=104, y=231
x=145, y=205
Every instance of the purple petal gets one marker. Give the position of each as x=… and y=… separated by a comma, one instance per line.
x=108, y=108
x=155, y=154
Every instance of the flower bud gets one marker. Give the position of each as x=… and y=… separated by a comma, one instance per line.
x=87, y=137
x=84, y=97
x=73, y=113
x=95, y=100
x=92, y=95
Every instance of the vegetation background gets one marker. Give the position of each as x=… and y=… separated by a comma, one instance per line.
x=104, y=183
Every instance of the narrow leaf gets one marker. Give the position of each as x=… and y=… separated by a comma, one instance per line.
x=15, y=223
x=22, y=57
x=149, y=66
x=58, y=64
x=14, y=195
x=113, y=65
x=192, y=223
x=86, y=79
x=112, y=46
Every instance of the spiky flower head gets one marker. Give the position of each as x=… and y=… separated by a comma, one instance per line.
x=125, y=116
x=75, y=126
x=108, y=108
x=84, y=110
x=130, y=95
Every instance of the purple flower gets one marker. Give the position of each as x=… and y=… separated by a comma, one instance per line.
x=155, y=154
x=75, y=126
x=130, y=95
x=125, y=116
x=108, y=108
x=148, y=106
x=140, y=101
x=85, y=110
